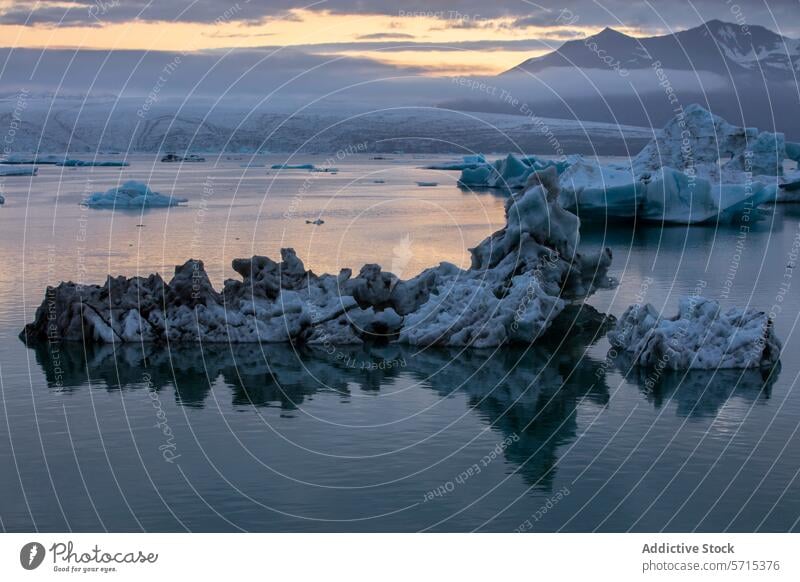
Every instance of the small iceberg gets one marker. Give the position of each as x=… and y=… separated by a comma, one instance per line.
x=467, y=162
x=293, y=167
x=187, y=158
x=53, y=160
x=131, y=195
x=16, y=171
x=90, y=164
x=700, y=336
x=20, y=159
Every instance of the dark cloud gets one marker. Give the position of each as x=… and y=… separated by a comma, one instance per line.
x=386, y=36
x=655, y=15
x=601, y=13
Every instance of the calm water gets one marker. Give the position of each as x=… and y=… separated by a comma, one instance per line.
x=386, y=439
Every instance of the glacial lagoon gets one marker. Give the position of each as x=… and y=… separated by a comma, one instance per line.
x=385, y=438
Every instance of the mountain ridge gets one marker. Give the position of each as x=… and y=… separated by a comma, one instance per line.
x=715, y=46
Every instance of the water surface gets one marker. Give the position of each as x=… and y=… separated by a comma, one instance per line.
x=270, y=438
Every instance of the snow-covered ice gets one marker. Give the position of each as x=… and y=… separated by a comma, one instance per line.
x=700, y=336
x=131, y=195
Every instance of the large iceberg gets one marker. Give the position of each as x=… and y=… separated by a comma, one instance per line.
x=702, y=335
x=521, y=278
x=699, y=168
x=131, y=195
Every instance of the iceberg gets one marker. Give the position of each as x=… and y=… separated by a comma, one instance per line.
x=700, y=168
x=700, y=336
x=509, y=172
x=520, y=280
x=89, y=164
x=53, y=160
x=19, y=159
x=467, y=162
x=131, y=195
x=293, y=167
x=175, y=158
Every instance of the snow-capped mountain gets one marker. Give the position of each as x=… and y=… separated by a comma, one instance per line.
x=719, y=47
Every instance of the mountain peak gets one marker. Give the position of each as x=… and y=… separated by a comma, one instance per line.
x=609, y=32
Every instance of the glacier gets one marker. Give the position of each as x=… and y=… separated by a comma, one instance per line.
x=131, y=195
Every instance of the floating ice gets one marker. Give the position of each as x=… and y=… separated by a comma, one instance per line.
x=20, y=159
x=700, y=336
x=84, y=163
x=508, y=172
x=698, y=169
x=467, y=162
x=520, y=280
x=293, y=167
x=53, y=160
x=131, y=195
x=186, y=158
x=16, y=171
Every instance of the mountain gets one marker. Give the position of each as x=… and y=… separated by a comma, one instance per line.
x=719, y=47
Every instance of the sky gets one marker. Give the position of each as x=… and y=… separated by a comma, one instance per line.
x=430, y=38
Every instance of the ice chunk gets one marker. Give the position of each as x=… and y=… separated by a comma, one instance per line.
x=187, y=158
x=700, y=336
x=467, y=162
x=508, y=172
x=293, y=167
x=131, y=195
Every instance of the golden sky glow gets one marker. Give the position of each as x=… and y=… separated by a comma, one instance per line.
x=307, y=28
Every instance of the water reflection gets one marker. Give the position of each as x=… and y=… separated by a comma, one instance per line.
x=530, y=395
x=700, y=393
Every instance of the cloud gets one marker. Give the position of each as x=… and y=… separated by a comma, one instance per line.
x=386, y=36
x=654, y=15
